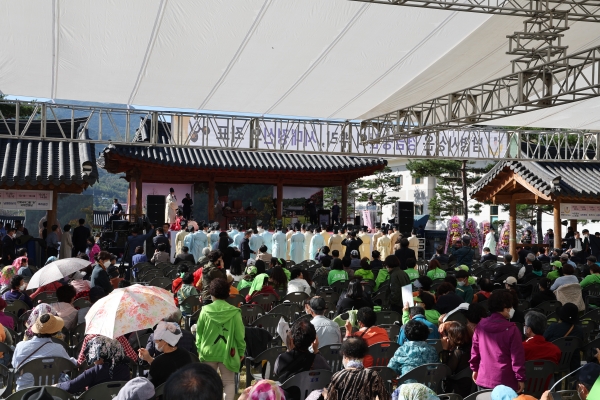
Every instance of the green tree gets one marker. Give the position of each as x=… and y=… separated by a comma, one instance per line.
x=335, y=193
x=379, y=185
x=453, y=180
x=10, y=111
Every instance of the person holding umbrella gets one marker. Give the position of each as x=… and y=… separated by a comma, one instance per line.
x=99, y=275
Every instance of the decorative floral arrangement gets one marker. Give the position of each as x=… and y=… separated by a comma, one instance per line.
x=504, y=238
x=485, y=227
x=455, y=230
x=476, y=239
x=533, y=233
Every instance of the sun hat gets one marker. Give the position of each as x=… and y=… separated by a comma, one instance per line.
x=48, y=324
x=170, y=332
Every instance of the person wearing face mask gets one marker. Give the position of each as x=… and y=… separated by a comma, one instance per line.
x=99, y=275
x=17, y=291
x=497, y=354
x=464, y=290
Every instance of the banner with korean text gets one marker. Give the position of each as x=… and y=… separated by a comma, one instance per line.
x=580, y=211
x=26, y=199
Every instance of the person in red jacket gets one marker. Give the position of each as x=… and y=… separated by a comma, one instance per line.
x=536, y=347
x=371, y=334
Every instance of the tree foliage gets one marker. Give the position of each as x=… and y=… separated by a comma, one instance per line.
x=10, y=111
x=449, y=197
x=379, y=185
x=335, y=193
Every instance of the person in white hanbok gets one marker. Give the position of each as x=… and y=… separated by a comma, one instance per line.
x=490, y=241
x=171, y=207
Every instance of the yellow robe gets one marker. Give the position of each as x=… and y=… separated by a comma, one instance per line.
x=383, y=246
x=365, y=247
x=335, y=243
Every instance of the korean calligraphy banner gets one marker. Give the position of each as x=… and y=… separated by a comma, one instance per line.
x=26, y=199
x=580, y=211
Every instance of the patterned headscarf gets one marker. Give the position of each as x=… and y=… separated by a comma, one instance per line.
x=257, y=283
x=37, y=312
x=266, y=390
x=18, y=261
x=107, y=349
x=7, y=273
x=414, y=391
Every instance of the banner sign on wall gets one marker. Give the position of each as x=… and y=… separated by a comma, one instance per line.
x=26, y=199
x=579, y=211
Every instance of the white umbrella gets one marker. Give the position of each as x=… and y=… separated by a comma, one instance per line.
x=55, y=271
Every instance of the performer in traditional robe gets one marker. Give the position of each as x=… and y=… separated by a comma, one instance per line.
x=490, y=240
x=335, y=241
x=376, y=237
x=288, y=237
x=179, y=238
x=316, y=243
x=325, y=235
x=297, y=247
x=307, y=238
x=199, y=243
x=171, y=207
x=188, y=240
x=255, y=242
x=365, y=247
x=372, y=209
x=279, y=243
x=383, y=246
x=263, y=231
x=233, y=232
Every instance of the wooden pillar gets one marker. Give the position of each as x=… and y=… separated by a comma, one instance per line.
x=138, y=195
x=512, y=235
x=557, y=225
x=52, y=213
x=344, y=203
x=279, y=199
x=211, y=198
x=573, y=224
x=130, y=192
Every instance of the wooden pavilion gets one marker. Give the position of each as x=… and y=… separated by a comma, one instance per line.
x=191, y=165
x=531, y=182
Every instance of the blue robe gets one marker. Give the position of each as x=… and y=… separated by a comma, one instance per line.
x=255, y=243
x=237, y=240
x=188, y=242
x=316, y=243
x=268, y=241
x=279, y=245
x=233, y=233
x=297, y=247
x=199, y=243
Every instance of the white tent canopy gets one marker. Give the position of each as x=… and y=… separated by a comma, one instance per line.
x=324, y=59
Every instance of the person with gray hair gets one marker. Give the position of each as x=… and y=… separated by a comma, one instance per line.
x=187, y=341
x=536, y=347
x=204, y=258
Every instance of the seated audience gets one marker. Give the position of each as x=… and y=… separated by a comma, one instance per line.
x=505, y=270
x=298, y=358
x=279, y=279
x=200, y=381
x=107, y=363
x=187, y=290
x=354, y=260
x=346, y=262
x=328, y=332
x=486, y=287
x=439, y=255
x=166, y=338
x=464, y=289
x=39, y=346
x=376, y=263
x=567, y=278
x=36, y=313
x=337, y=272
x=447, y=299
x=488, y=256
x=161, y=254
x=414, y=352
x=185, y=256
x=95, y=294
x=355, y=298
x=474, y=315
x=137, y=389
x=367, y=330
x=427, y=302
x=297, y=282
x=24, y=269
x=414, y=391
x=64, y=307
x=139, y=256
x=364, y=272
x=5, y=320
x=536, y=347
x=17, y=291
x=260, y=286
x=355, y=382
x=456, y=343
x=544, y=294
x=187, y=341
x=434, y=271
x=567, y=325
x=411, y=269
x=416, y=313
x=593, y=278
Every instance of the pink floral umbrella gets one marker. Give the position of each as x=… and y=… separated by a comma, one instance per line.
x=129, y=309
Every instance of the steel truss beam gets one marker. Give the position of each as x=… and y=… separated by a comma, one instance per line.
x=563, y=81
x=106, y=125
x=584, y=10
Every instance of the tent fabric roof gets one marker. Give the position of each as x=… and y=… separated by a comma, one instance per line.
x=581, y=180
x=333, y=59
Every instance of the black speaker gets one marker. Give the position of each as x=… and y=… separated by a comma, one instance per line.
x=155, y=209
x=405, y=216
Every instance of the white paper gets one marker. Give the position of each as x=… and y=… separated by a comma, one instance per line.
x=282, y=329
x=407, y=296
